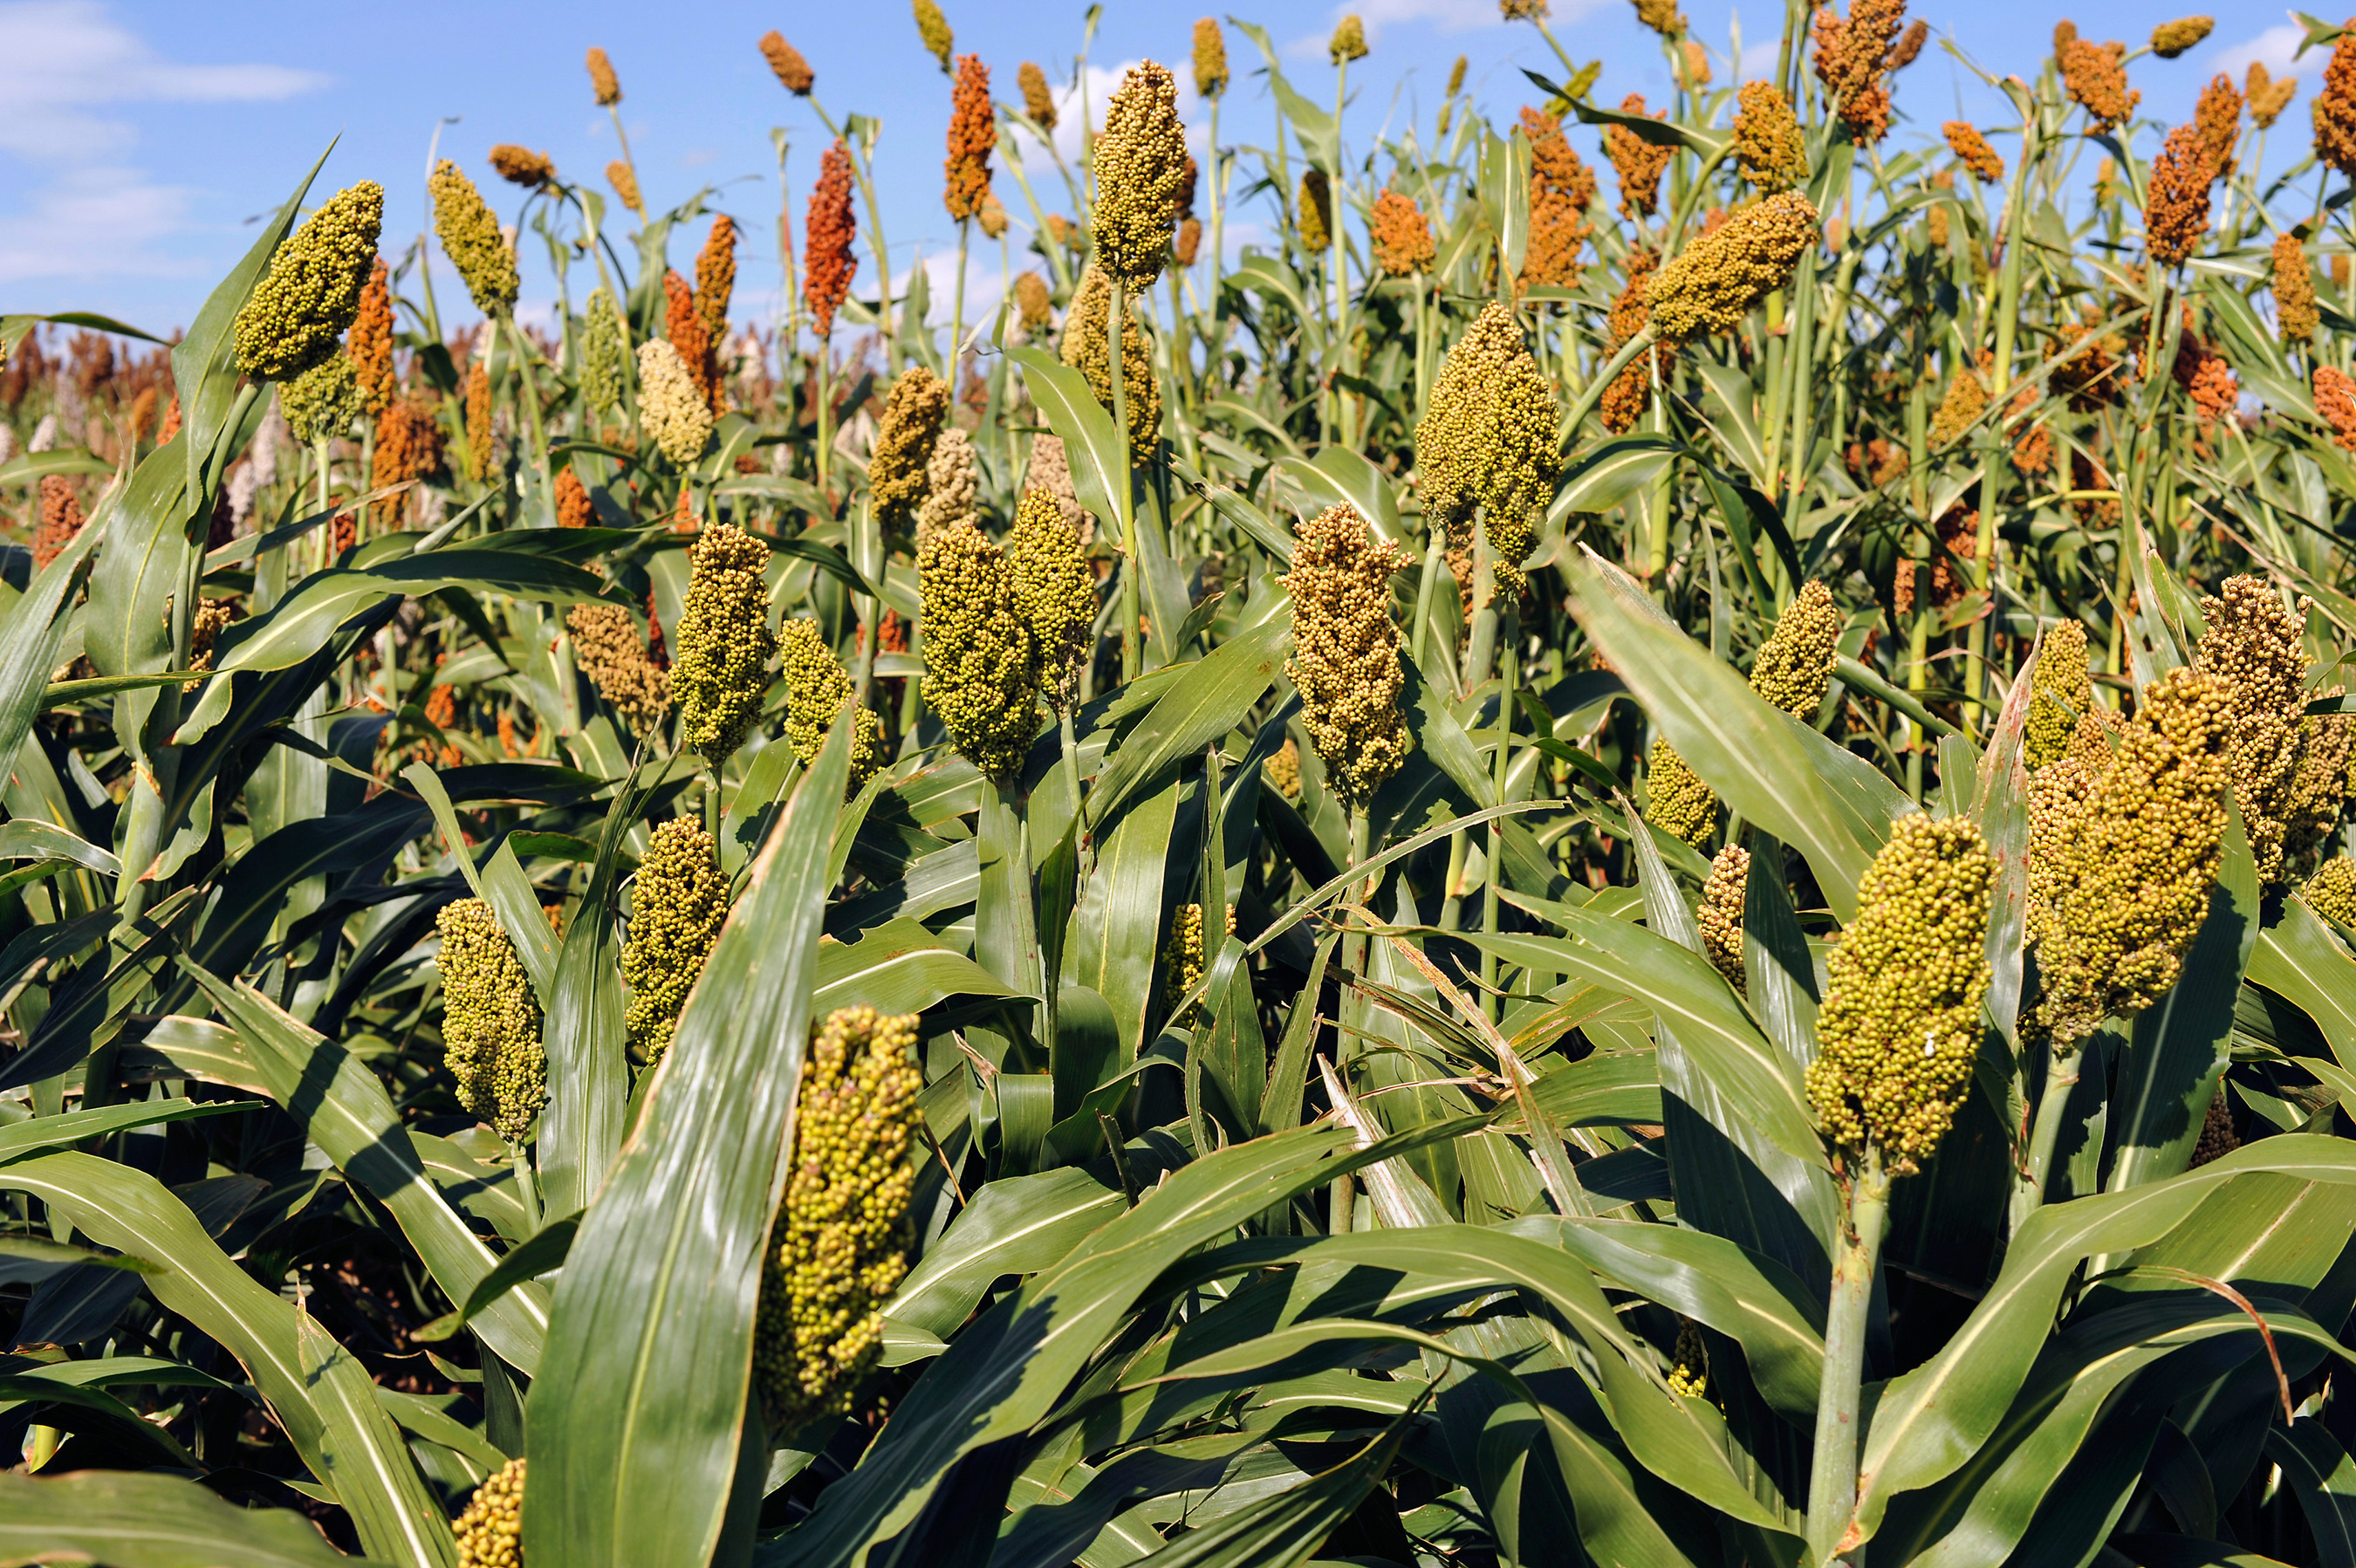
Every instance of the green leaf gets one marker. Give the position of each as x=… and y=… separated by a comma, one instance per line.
x=131, y=1211
x=344, y=1110
x=44, y=1134
x=1209, y=698
x=145, y=1519
x=546, y=1252
x=1098, y=453
x=1663, y=133
x=2323, y=1479
x=368, y=1460
x=1015, y=1224
x=1928, y=1422
x=1748, y=751
x=1610, y=471
x=32, y=635
x=1288, y=1528
x=2299, y=959
x=641, y=1397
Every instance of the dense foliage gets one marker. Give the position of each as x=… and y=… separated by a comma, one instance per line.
x=1545, y=875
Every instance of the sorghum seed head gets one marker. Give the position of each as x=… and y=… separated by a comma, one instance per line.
x=671, y=407
x=827, y=231
x=1637, y=162
x=312, y=291
x=1972, y=150
x=625, y=182
x=1402, y=240
x=973, y=132
x=1346, y=651
x=896, y=464
x=1561, y=190
x=838, y=1245
x=369, y=342
x=1315, y=205
x=1087, y=348
x=1141, y=157
x=469, y=233
x=321, y=403
x=1796, y=660
x=521, y=166
x=490, y=1530
x=978, y=657
x=1901, y=1021
x=2170, y=39
x=1210, y=58
x=715, y=277
x=951, y=482
x=817, y=686
x=1720, y=915
x=1713, y=283
x=601, y=80
x=2252, y=645
x=608, y=648
x=793, y=72
x=2293, y=286
x=1348, y=42
x=604, y=345
x=490, y=1020
x=1054, y=593
x=2332, y=891
x=678, y=904
x=2095, y=77
x=2176, y=209
x=1679, y=802
x=722, y=667
x=1768, y=152
x=934, y=30
x=2061, y=693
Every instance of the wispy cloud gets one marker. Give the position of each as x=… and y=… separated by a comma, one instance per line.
x=2272, y=49
x=68, y=69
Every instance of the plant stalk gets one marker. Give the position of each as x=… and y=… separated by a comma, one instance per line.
x=1832, y=1474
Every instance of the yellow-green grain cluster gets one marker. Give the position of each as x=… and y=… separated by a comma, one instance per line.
x=671, y=408
x=1346, y=651
x=490, y=1530
x=2128, y=871
x=2319, y=794
x=1768, y=152
x=1901, y=1020
x=311, y=294
x=817, y=686
x=1690, y=1377
x=678, y=904
x=1055, y=594
x=1720, y=915
x=1489, y=440
x=1796, y=661
x=977, y=652
x=725, y=643
x=1183, y=961
x=2332, y=891
x=321, y=403
x=1087, y=348
x=1140, y=160
x=2060, y=692
x=1712, y=283
x=1210, y=58
x=839, y=1246
x=2252, y=645
x=490, y=1025
x=898, y=467
x=469, y=233
x=605, y=347
x=1677, y=801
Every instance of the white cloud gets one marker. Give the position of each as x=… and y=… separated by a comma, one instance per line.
x=64, y=65
x=1759, y=59
x=2272, y=49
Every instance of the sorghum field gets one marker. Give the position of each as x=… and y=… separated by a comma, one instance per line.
x=1635, y=855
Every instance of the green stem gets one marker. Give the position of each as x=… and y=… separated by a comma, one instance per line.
x=956, y=310
x=530, y=390
x=1507, y=678
x=1832, y=1474
x=2045, y=1134
x=1339, y=1217
x=1132, y=633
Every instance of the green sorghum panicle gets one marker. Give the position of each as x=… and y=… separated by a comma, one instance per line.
x=1677, y=801
x=1087, y=348
x=311, y=293
x=490, y=1023
x=321, y=403
x=897, y=463
x=604, y=345
x=678, y=904
x=1796, y=660
x=977, y=652
x=817, y=686
x=839, y=1247
x=934, y=30
x=1712, y=283
x=722, y=667
x=2170, y=39
x=671, y=406
x=2332, y=891
x=469, y=233
x=1346, y=651
x=491, y=1531
x=2060, y=692
x=2131, y=869
x=608, y=648
x=1054, y=593
x=1140, y=160
x=1349, y=40
x=1183, y=960
x=1489, y=439
x=951, y=483
x=1901, y=1021
x=2253, y=643
x=2058, y=791
x=2319, y=793
x=1210, y=58
x=1314, y=202
x=1720, y=915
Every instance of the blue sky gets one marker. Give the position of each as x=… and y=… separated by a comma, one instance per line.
x=139, y=139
